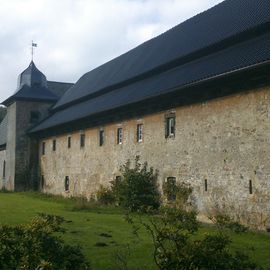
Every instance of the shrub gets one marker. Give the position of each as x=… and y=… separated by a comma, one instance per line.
x=225, y=222
x=176, y=194
x=36, y=246
x=176, y=248
x=137, y=189
x=105, y=195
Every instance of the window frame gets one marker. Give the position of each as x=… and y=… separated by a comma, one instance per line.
x=54, y=145
x=170, y=125
x=120, y=135
x=82, y=140
x=69, y=142
x=140, y=133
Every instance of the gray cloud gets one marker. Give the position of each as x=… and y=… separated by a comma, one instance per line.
x=75, y=36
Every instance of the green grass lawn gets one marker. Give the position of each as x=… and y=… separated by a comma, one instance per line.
x=86, y=228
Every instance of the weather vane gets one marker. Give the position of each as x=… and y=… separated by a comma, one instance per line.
x=32, y=49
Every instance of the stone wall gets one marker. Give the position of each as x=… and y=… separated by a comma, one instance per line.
x=2, y=160
x=224, y=142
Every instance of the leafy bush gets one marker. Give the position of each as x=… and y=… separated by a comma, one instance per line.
x=176, y=194
x=105, y=195
x=35, y=246
x=225, y=222
x=176, y=248
x=137, y=189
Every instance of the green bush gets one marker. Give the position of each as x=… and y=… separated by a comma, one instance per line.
x=36, y=246
x=105, y=195
x=176, y=248
x=137, y=189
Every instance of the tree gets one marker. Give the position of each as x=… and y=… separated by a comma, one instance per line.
x=35, y=246
x=137, y=188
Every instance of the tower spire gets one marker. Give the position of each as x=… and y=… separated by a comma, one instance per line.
x=32, y=49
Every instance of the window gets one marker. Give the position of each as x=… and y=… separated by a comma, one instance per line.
x=101, y=137
x=119, y=136
x=82, y=140
x=139, y=132
x=171, y=188
x=43, y=148
x=54, y=145
x=250, y=187
x=67, y=183
x=170, y=126
x=205, y=185
x=42, y=181
x=69, y=141
x=4, y=169
x=34, y=116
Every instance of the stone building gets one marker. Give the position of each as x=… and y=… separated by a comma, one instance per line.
x=193, y=102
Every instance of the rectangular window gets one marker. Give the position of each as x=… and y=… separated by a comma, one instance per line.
x=170, y=127
x=250, y=187
x=43, y=148
x=101, y=137
x=139, y=132
x=82, y=140
x=67, y=183
x=69, y=141
x=42, y=181
x=119, y=136
x=205, y=185
x=34, y=117
x=54, y=145
x=4, y=169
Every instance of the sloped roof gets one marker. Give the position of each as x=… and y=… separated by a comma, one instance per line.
x=231, y=36
x=3, y=131
x=59, y=88
x=206, y=29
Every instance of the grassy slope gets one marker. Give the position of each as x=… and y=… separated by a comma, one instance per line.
x=85, y=228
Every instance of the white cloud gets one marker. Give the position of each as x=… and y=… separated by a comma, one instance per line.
x=74, y=36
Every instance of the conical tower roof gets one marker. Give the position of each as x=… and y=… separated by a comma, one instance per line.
x=32, y=76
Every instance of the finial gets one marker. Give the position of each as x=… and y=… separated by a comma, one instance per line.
x=32, y=49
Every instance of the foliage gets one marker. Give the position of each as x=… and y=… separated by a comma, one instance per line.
x=176, y=194
x=105, y=195
x=137, y=189
x=176, y=248
x=35, y=246
x=225, y=222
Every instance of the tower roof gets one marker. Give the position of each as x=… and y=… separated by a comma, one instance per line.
x=32, y=76
x=32, y=85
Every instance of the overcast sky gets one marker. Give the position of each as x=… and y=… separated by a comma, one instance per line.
x=75, y=36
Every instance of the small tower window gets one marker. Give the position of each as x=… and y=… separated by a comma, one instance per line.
x=34, y=117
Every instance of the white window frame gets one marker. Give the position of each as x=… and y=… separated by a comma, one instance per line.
x=139, y=133
x=120, y=135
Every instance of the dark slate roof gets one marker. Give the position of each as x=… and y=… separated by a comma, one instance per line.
x=31, y=76
x=224, y=21
x=33, y=85
x=209, y=45
x=3, y=131
x=59, y=88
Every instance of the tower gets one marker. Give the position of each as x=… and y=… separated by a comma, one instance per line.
x=25, y=108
